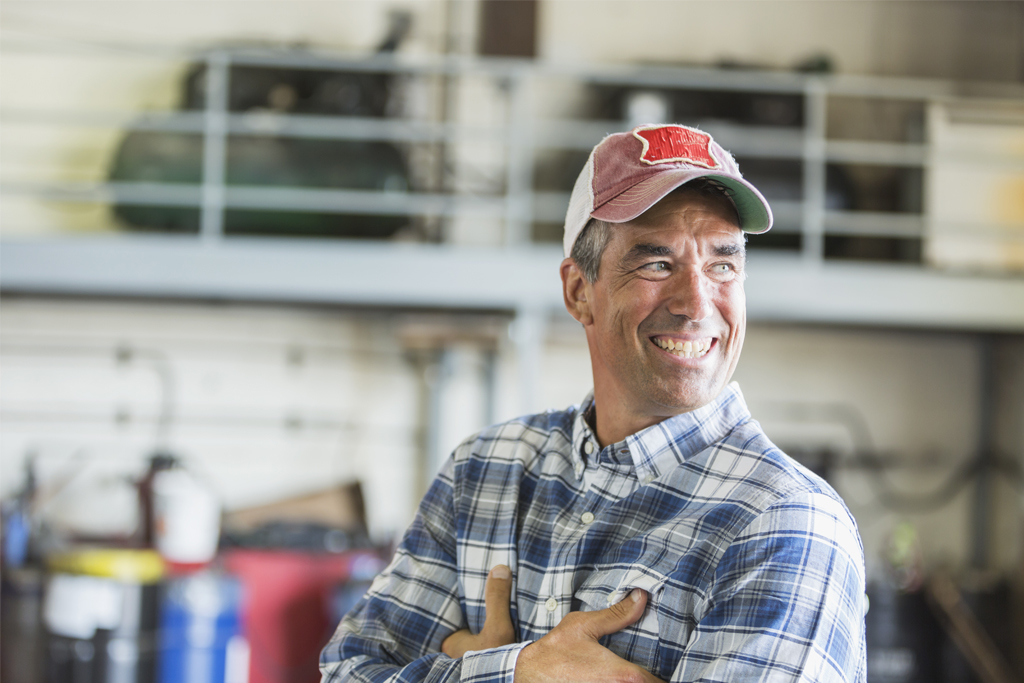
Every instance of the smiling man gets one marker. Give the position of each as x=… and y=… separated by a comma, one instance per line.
x=665, y=323
x=653, y=532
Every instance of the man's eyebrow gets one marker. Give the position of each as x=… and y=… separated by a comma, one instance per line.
x=730, y=250
x=642, y=250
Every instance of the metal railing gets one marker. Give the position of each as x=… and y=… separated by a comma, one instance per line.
x=521, y=133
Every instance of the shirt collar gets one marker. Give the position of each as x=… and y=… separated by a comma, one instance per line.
x=662, y=446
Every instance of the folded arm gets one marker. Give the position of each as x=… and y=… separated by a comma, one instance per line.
x=786, y=601
x=410, y=626
x=395, y=633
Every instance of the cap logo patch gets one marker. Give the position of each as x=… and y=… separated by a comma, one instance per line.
x=670, y=144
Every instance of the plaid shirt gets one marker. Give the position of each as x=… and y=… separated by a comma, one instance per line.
x=753, y=564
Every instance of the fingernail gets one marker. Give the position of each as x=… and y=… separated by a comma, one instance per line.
x=635, y=594
x=501, y=572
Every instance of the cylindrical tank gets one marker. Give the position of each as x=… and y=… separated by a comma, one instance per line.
x=100, y=612
x=200, y=630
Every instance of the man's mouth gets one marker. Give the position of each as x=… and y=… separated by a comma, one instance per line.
x=689, y=348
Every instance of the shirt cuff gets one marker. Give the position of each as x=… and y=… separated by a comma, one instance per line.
x=497, y=665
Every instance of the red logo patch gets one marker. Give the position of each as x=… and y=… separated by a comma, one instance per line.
x=664, y=144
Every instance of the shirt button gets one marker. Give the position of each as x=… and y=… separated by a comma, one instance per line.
x=649, y=478
x=551, y=604
x=588, y=447
x=587, y=517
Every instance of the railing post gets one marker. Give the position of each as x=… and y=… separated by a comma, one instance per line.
x=215, y=148
x=813, y=215
x=519, y=170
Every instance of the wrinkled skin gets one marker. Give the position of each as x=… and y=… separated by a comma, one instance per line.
x=675, y=273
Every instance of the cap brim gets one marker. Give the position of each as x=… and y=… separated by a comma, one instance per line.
x=754, y=213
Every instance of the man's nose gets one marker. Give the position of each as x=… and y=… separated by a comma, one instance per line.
x=690, y=296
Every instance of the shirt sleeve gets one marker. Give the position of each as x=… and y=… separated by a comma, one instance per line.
x=395, y=632
x=786, y=603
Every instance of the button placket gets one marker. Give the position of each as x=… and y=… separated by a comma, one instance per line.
x=588, y=449
x=545, y=613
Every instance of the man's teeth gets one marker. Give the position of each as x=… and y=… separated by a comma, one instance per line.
x=686, y=349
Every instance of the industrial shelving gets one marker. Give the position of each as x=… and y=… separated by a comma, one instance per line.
x=512, y=274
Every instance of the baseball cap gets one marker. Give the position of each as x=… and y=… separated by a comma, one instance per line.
x=628, y=173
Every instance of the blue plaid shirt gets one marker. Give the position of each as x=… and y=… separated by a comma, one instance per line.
x=753, y=564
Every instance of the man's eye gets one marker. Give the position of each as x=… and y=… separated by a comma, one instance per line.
x=722, y=268
x=657, y=266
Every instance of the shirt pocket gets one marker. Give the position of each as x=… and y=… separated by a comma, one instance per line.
x=638, y=642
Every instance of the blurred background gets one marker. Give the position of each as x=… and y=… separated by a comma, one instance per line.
x=263, y=264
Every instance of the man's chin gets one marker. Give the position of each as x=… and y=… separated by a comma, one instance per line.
x=676, y=403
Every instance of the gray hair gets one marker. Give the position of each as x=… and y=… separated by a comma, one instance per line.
x=589, y=247
x=593, y=239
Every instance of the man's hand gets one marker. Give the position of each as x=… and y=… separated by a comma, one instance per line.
x=497, y=630
x=570, y=651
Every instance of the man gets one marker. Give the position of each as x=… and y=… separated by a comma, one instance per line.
x=653, y=532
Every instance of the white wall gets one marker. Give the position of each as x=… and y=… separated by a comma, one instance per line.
x=356, y=25
x=698, y=33
x=953, y=40
x=269, y=402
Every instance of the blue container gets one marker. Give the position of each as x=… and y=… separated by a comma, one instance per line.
x=201, y=637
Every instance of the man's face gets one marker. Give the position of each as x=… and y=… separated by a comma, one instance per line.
x=668, y=311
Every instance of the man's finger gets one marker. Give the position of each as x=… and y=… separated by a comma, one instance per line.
x=498, y=596
x=615, y=618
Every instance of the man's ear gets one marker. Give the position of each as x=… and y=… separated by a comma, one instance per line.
x=575, y=290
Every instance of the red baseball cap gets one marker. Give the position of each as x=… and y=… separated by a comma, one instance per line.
x=628, y=173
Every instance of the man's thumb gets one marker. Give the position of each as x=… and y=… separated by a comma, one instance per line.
x=618, y=616
x=498, y=595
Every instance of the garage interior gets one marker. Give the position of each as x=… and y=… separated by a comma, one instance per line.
x=286, y=255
